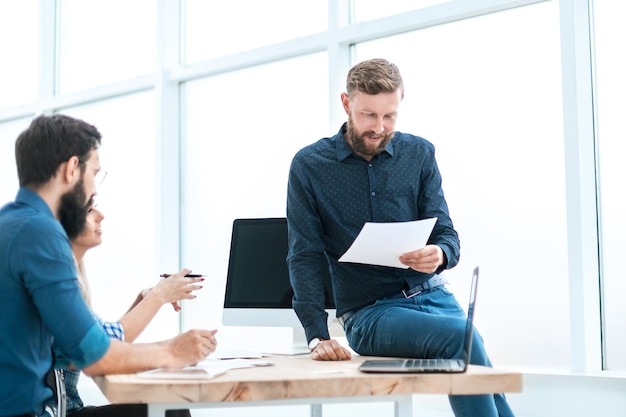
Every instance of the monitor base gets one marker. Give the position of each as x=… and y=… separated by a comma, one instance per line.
x=286, y=350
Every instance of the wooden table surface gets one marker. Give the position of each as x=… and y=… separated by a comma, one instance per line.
x=297, y=377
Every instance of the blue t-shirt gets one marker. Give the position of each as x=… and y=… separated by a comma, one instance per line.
x=40, y=300
x=332, y=193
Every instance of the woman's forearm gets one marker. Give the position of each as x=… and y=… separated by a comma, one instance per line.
x=139, y=316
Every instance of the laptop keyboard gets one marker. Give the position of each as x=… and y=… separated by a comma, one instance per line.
x=433, y=363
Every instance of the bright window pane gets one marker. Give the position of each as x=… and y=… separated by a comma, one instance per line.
x=105, y=41
x=9, y=131
x=237, y=149
x=487, y=92
x=19, y=31
x=365, y=10
x=213, y=29
x=611, y=83
x=126, y=262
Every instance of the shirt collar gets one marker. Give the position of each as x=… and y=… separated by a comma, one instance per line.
x=32, y=199
x=344, y=150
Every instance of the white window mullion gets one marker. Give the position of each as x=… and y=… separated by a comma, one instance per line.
x=338, y=59
x=168, y=137
x=47, y=53
x=580, y=167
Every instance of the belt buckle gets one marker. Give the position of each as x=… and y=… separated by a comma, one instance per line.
x=410, y=295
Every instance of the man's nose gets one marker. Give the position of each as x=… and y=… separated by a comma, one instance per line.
x=378, y=126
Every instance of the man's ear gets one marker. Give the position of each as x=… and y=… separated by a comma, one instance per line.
x=70, y=170
x=345, y=101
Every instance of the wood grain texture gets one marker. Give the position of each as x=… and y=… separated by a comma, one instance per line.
x=300, y=377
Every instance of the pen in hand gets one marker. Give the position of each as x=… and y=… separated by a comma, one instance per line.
x=188, y=275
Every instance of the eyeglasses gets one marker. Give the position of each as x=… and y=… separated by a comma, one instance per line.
x=101, y=174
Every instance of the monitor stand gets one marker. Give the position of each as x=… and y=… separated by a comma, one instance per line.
x=299, y=346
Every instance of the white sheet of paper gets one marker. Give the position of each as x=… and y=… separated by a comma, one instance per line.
x=206, y=369
x=190, y=372
x=235, y=354
x=226, y=364
x=383, y=243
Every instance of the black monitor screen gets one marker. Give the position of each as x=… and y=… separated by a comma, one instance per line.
x=257, y=268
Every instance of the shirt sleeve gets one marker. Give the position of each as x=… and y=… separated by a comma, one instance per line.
x=49, y=275
x=432, y=203
x=306, y=255
x=112, y=328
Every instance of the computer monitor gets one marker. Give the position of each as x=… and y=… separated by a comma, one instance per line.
x=258, y=291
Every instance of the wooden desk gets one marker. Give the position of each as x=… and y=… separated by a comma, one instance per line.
x=300, y=380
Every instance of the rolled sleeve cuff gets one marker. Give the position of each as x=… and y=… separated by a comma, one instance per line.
x=114, y=329
x=93, y=346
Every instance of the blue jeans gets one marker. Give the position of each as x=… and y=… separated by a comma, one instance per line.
x=429, y=325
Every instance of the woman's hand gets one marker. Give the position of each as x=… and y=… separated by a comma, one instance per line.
x=174, y=288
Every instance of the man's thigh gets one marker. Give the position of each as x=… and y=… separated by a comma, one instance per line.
x=430, y=325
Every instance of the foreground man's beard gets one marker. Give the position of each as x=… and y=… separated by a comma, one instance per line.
x=358, y=141
x=73, y=211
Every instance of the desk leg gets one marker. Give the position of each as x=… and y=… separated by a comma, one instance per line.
x=156, y=410
x=316, y=410
x=403, y=406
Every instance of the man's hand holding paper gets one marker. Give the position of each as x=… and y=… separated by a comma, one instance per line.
x=399, y=245
x=425, y=260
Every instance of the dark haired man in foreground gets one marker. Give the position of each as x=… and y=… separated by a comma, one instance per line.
x=40, y=300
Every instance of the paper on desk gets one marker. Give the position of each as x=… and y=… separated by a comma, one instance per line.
x=190, y=372
x=206, y=369
x=383, y=243
x=226, y=364
x=235, y=354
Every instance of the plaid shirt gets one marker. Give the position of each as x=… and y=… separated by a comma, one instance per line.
x=70, y=377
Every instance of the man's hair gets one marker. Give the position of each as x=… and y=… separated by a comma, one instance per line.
x=48, y=142
x=374, y=76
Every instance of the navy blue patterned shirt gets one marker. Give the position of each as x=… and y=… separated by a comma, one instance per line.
x=331, y=194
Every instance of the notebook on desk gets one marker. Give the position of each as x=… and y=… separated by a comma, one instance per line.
x=432, y=365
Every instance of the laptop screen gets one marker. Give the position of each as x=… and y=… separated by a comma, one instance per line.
x=469, y=328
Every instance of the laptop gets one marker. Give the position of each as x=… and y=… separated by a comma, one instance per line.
x=431, y=365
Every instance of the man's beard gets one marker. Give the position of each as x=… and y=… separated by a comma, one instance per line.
x=358, y=141
x=73, y=211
